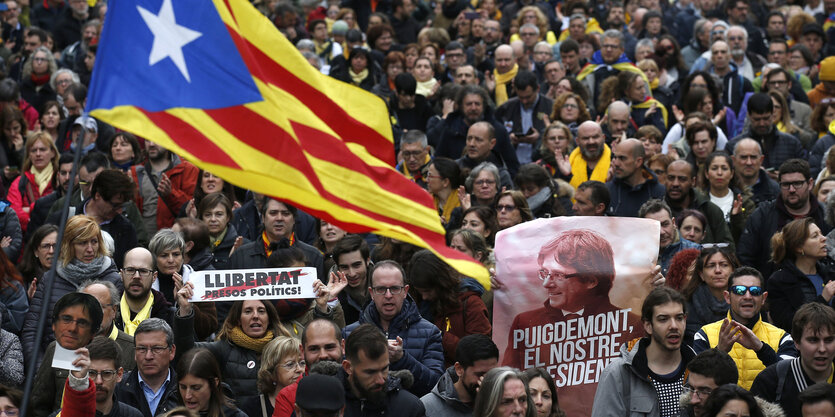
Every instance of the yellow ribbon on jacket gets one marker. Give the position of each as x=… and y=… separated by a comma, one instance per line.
x=450, y=204
x=144, y=314
x=501, y=81
x=579, y=167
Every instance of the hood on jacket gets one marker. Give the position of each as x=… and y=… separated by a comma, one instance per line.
x=470, y=284
x=445, y=390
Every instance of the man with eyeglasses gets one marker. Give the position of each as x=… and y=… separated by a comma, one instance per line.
x=524, y=116
x=813, y=332
x=454, y=57
x=607, y=62
x=140, y=302
x=76, y=318
x=152, y=387
x=778, y=146
x=752, y=343
x=709, y=370
x=576, y=272
x=414, y=343
x=414, y=150
x=778, y=53
x=795, y=201
x=779, y=79
x=105, y=373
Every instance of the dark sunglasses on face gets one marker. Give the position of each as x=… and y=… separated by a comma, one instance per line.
x=755, y=290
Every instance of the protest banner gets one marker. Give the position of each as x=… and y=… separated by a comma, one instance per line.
x=253, y=284
x=571, y=297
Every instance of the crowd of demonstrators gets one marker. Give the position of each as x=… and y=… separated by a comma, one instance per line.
x=713, y=118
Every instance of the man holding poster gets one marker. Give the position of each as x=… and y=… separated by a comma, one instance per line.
x=579, y=328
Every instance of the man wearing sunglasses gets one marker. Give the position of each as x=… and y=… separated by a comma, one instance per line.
x=413, y=342
x=752, y=343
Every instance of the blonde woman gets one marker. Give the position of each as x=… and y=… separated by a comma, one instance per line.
x=281, y=365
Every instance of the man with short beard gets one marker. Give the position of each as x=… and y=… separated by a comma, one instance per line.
x=795, y=201
x=747, y=62
x=139, y=301
x=164, y=184
x=591, y=159
x=369, y=390
x=455, y=393
x=651, y=372
x=682, y=194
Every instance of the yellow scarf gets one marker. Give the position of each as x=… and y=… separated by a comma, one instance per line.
x=579, y=168
x=357, y=78
x=501, y=81
x=144, y=314
x=238, y=337
x=781, y=127
x=450, y=204
x=653, y=84
x=424, y=88
x=408, y=174
x=42, y=178
x=647, y=104
x=114, y=333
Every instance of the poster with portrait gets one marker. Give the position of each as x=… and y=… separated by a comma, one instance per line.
x=572, y=294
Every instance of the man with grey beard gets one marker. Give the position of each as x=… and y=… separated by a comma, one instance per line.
x=591, y=159
x=748, y=63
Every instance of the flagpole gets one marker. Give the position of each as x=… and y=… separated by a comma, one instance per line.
x=49, y=278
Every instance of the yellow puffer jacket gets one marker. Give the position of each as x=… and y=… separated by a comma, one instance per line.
x=746, y=359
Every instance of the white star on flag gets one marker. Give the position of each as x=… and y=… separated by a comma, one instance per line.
x=169, y=37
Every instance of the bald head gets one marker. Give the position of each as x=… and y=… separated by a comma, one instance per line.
x=632, y=146
x=138, y=274
x=618, y=107
x=504, y=58
x=139, y=254
x=591, y=140
x=683, y=165
x=617, y=119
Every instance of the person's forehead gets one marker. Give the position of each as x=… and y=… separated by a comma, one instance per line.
x=349, y=257
x=819, y=332
x=387, y=274
x=747, y=280
x=276, y=205
x=411, y=146
x=139, y=258
x=660, y=215
x=679, y=169
x=76, y=309
x=149, y=337
x=472, y=98
x=100, y=292
x=700, y=381
x=320, y=334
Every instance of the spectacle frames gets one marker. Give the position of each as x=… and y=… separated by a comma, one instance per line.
x=81, y=323
x=796, y=184
x=715, y=245
x=700, y=392
x=155, y=350
x=382, y=290
x=755, y=290
x=292, y=365
x=545, y=275
x=144, y=273
x=105, y=375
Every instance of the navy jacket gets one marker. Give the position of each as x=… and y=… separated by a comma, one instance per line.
x=626, y=199
x=423, y=352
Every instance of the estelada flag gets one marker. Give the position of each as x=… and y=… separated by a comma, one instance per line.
x=216, y=82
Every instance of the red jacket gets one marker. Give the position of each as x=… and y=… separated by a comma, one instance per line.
x=183, y=178
x=23, y=202
x=79, y=403
x=470, y=318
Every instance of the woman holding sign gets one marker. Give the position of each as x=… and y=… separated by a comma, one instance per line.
x=250, y=325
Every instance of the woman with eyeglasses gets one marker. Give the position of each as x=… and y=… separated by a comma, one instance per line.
x=512, y=209
x=36, y=73
x=705, y=292
x=801, y=278
x=201, y=386
x=38, y=256
x=281, y=365
x=10, y=400
x=453, y=303
x=82, y=257
x=557, y=144
x=483, y=184
x=569, y=109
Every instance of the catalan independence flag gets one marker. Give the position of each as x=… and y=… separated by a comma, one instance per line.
x=216, y=82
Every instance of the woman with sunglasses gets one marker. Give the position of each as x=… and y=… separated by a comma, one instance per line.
x=801, y=278
x=705, y=292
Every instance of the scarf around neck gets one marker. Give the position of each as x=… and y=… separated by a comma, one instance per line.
x=357, y=78
x=538, y=199
x=238, y=337
x=144, y=314
x=501, y=82
x=579, y=168
x=424, y=88
x=78, y=271
x=42, y=178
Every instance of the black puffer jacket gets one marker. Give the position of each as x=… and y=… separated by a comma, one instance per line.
x=398, y=401
x=789, y=288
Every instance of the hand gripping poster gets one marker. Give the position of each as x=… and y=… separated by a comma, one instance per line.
x=571, y=295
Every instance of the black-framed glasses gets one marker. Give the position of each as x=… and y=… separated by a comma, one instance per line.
x=81, y=323
x=397, y=289
x=545, y=275
x=105, y=375
x=143, y=272
x=46, y=246
x=155, y=350
x=755, y=290
x=789, y=184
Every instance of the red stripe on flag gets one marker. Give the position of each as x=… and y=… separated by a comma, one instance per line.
x=348, y=128
x=190, y=139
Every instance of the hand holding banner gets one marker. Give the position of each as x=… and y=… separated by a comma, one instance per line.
x=253, y=284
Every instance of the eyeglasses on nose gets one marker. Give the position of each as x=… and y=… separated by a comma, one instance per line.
x=397, y=289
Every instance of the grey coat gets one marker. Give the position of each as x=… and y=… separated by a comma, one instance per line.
x=11, y=356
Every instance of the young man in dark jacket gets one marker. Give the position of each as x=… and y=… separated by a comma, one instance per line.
x=369, y=390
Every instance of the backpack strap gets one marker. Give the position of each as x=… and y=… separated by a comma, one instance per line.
x=782, y=372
